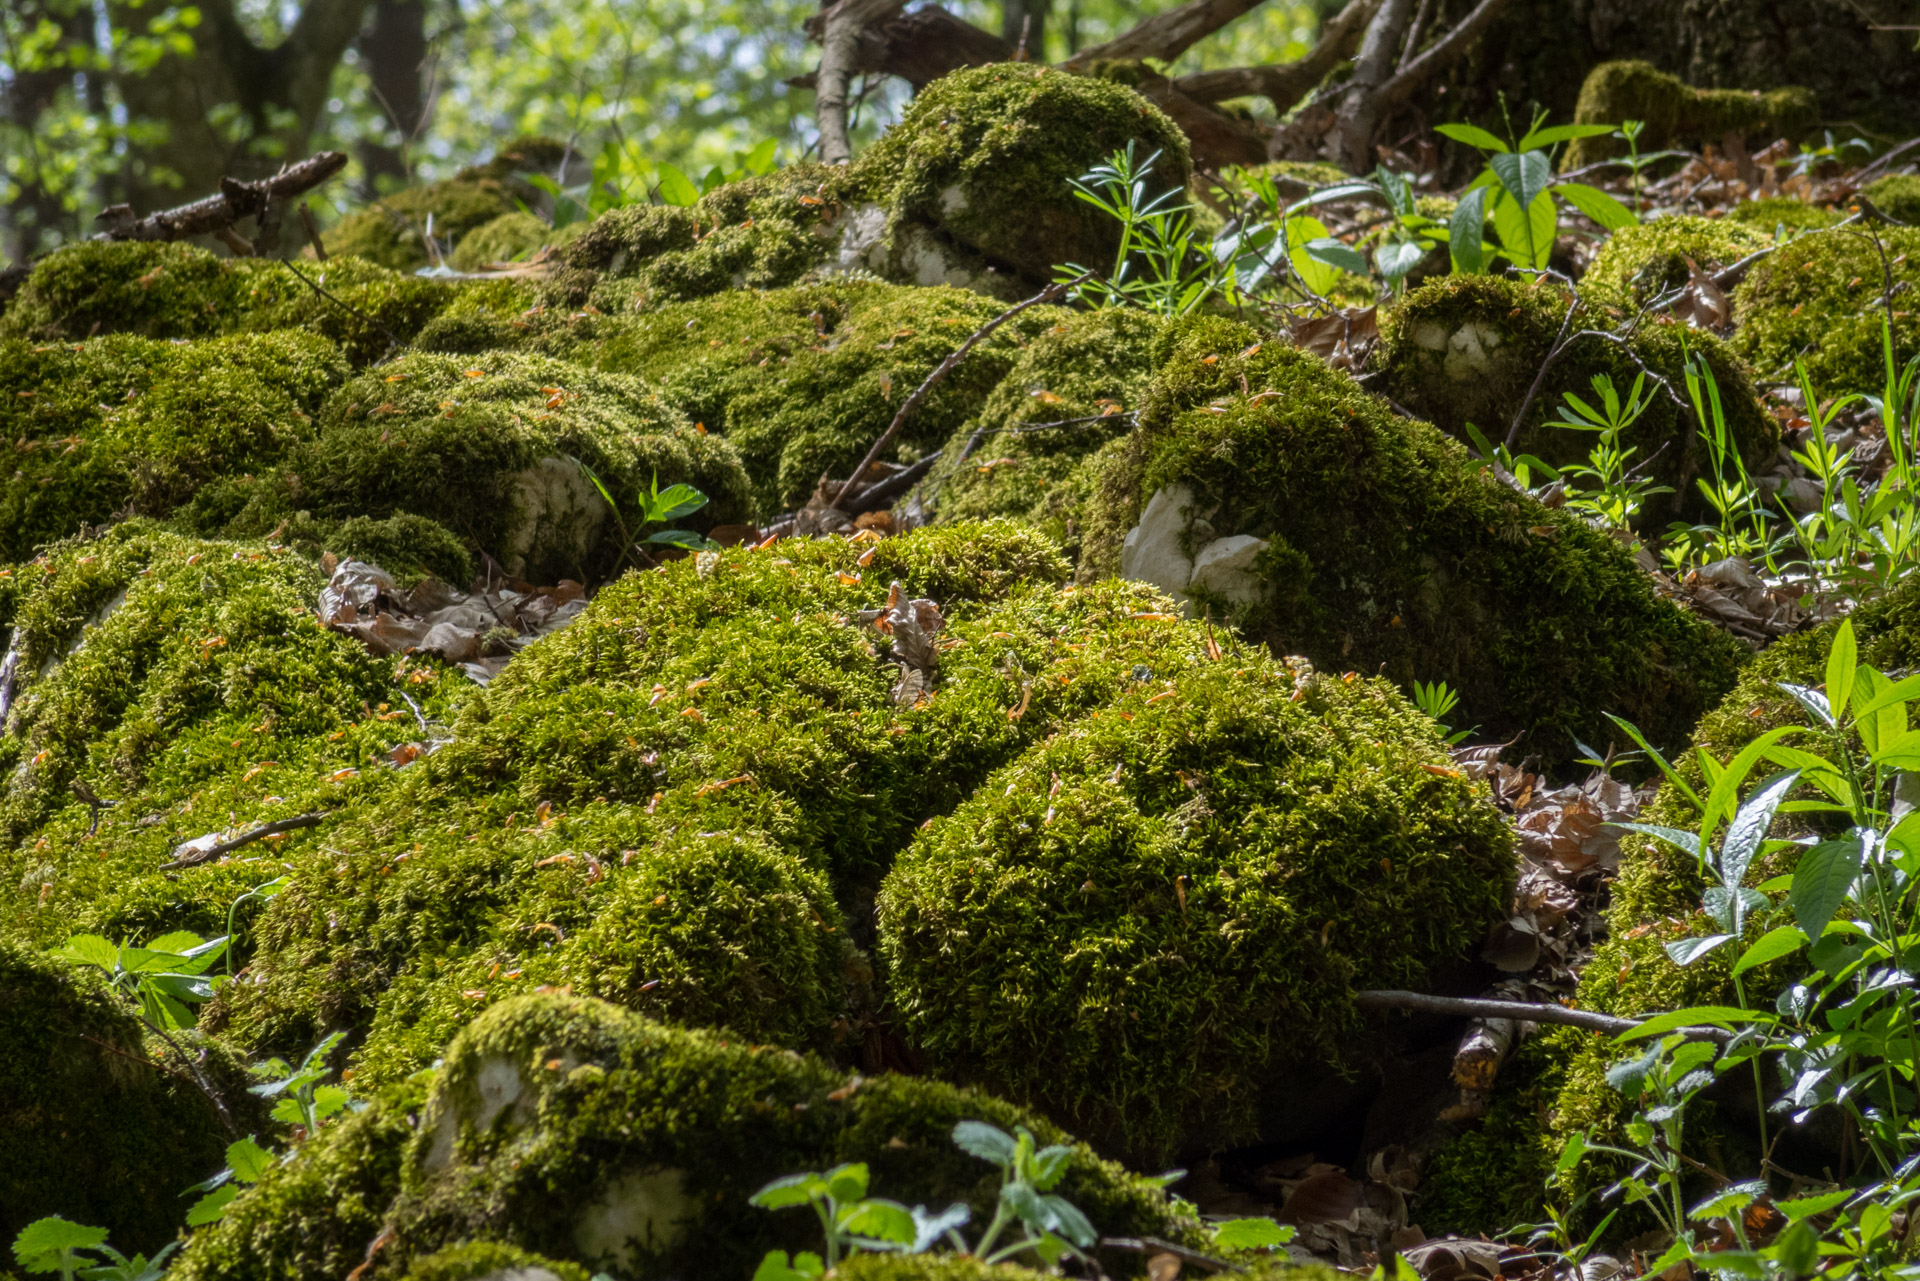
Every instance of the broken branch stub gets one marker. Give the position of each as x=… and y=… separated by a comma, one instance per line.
x=216, y=214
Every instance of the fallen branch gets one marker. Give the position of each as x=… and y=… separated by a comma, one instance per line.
x=1052, y=293
x=216, y=215
x=195, y=857
x=1525, y=1011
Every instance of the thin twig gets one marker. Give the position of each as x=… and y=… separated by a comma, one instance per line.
x=1481, y=1008
x=1052, y=293
x=247, y=837
x=393, y=339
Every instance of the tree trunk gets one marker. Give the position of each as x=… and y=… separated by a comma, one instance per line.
x=1023, y=24
x=395, y=48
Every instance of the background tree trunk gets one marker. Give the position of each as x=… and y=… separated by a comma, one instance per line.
x=395, y=49
x=1026, y=19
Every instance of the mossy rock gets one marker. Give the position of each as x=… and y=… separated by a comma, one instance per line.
x=1379, y=549
x=1897, y=196
x=1032, y=453
x=1819, y=300
x=132, y=426
x=1150, y=926
x=800, y=381
x=986, y=155
x=1467, y=349
x=490, y=447
x=1676, y=112
x=93, y=1127
x=491, y=1261
x=595, y=1136
x=1641, y=262
x=393, y=231
x=509, y=237
x=1776, y=212
x=175, y=291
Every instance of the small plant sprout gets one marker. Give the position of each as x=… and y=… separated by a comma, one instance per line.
x=1436, y=699
x=59, y=1245
x=657, y=507
x=1162, y=264
x=162, y=978
x=302, y=1099
x=247, y=1164
x=1617, y=491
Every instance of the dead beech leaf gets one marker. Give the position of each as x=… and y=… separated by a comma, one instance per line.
x=1163, y=1267
x=1326, y=1197
x=1344, y=339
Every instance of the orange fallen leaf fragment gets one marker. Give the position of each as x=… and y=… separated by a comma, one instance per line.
x=848, y=579
x=476, y=373
x=1157, y=618
x=707, y=789
x=342, y=775
x=694, y=714
x=556, y=859
x=1163, y=694
x=1441, y=771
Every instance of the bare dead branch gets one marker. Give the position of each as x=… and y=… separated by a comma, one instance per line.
x=194, y=858
x=1165, y=35
x=217, y=214
x=1284, y=84
x=1438, y=56
x=920, y=47
x=1525, y=1011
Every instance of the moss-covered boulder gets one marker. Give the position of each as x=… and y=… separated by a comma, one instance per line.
x=393, y=231
x=490, y=447
x=1302, y=508
x=509, y=237
x=1149, y=927
x=1821, y=300
x=799, y=381
x=597, y=1137
x=1676, y=112
x=175, y=291
x=986, y=155
x=1639, y=263
x=1034, y=449
x=132, y=426
x=1897, y=196
x=1777, y=213
x=1467, y=349
x=93, y=1127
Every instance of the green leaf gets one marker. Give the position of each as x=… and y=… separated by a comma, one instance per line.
x=1725, y=790
x=89, y=949
x=1633, y=732
x=1472, y=135
x=1823, y=880
x=1524, y=176
x=679, y=538
x=1050, y=1166
x=179, y=943
x=1528, y=239
x=1300, y=232
x=1695, y=1016
x=1251, y=1234
x=774, y=1267
x=1843, y=658
x=1334, y=253
x=793, y=1189
x=1685, y=841
x=1806, y=1207
x=988, y=1142
x=1396, y=260
x=1749, y=829
x=1597, y=205
x=1783, y=940
x=41, y=1243
x=881, y=1220
x=1904, y=690
x=209, y=1208
x=1687, y=951
x=1562, y=133
x=328, y=1100
x=184, y=987
x=676, y=188
x=929, y=1228
x=847, y=1182
x=1571, y=1152
x=761, y=159
x=1066, y=1219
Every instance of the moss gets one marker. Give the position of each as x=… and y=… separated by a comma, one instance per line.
x=1092, y=366
x=408, y=547
x=1819, y=300
x=1897, y=195
x=1385, y=552
x=491, y=1261
x=1640, y=262
x=800, y=381
x=1117, y=926
x=122, y=425
x=929, y=1267
x=1496, y=1173
x=1466, y=349
x=1676, y=112
x=485, y=446
x=393, y=233
x=1773, y=213
x=986, y=155
x=175, y=291
x=510, y=236
x=92, y=1127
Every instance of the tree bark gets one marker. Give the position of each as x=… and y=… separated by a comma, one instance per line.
x=395, y=47
x=1023, y=25
x=1284, y=84
x=841, y=28
x=1166, y=35
x=1357, y=118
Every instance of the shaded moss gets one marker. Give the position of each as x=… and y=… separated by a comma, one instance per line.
x=1641, y=262
x=491, y=1261
x=173, y=290
x=1775, y=212
x=1675, y=112
x=1495, y=1174
x=1386, y=552
x=129, y=426
x=1819, y=299
x=93, y=1128
x=985, y=154
x=509, y=237
x=1466, y=349
x=1897, y=196
x=1087, y=374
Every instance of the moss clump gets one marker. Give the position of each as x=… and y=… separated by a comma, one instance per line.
x=1820, y=300
x=929, y=1267
x=506, y=238
x=1384, y=551
x=1897, y=196
x=486, y=447
x=125, y=425
x=492, y=1261
x=93, y=1129
x=986, y=155
x=1466, y=349
x=1118, y=925
x=1087, y=374
x=1497, y=1171
x=408, y=547
x=176, y=291
x=1640, y=262
x=393, y=232
x=1676, y=112
x=1776, y=212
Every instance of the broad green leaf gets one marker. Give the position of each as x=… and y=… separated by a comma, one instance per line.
x=329, y=1100
x=1472, y=135
x=1527, y=240
x=679, y=538
x=174, y=1016
x=1782, y=940
x=674, y=502
x=47, y=1239
x=988, y=1142
x=1687, y=951
x=180, y=943
x=847, y=1182
x=1813, y=700
x=761, y=159
x=1901, y=691
x=89, y=949
x=1843, y=658
x=1806, y=1207
x=1813, y=769
x=1749, y=828
x=929, y=1228
x=1396, y=260
x=793, y=1189
x=201, y=955
x=1050, y=1166
x=1823, y=880
x=1597, y=205
x=676, y=188
x=774, y=1267
x=1562, y=133
x=1466, y=232
x=209, y=1208
x=1300, y=232
x=1349, y=190
x=1334, y=253
x=1066, y=1219
x=714, y=177
x=1251, y=1234
x=184, y=987
x=879, y=1220
x=1525, y=176
x=1685, y=841
x=141, y=960
x=1696, y=1016
x=1725, y=790
x=1632, y=731
x=1570, y=1154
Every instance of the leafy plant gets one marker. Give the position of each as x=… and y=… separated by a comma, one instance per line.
x=1162, y=264
x=260, y=893
x=657, y=507
x=1516, y=190
x=618, y=178
x=1436, y=699
x=247, y=1164
x=1617, y=492
x=54, y=1244
x=1399, y=243
x=161, y=978
x=302, y=1099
